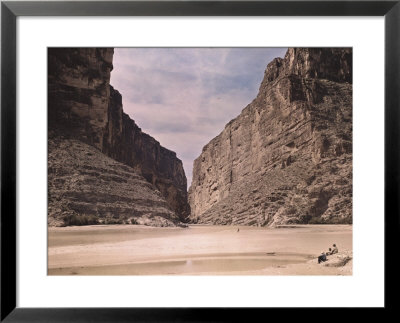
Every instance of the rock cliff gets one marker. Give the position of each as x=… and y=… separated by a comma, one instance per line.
x=83, y=106
x=287, y=158
x=87, y=187
x=124, y=141
x=78, y=92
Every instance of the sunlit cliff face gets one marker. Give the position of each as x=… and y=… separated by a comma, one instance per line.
x=287, y=158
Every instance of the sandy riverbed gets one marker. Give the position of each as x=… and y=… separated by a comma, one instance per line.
x=197, y=250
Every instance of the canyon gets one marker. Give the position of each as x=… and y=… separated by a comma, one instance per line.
x=102, y=168
x=287, y=158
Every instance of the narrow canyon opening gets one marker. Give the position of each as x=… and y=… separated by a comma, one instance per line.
x=268, y=133
x=279, y=155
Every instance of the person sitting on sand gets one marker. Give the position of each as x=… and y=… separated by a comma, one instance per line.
x=335, y=249
x=329, y=252
x=322, y=257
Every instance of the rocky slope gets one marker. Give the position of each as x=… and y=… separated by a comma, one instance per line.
x=86, y=185
x=83, y=106
x=125, y=142
x=287, y=158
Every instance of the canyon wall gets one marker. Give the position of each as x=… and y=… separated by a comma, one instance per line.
x=87, y=187
x=83, y=106
x=125, y=142
x=78, y=92
x=287, y=158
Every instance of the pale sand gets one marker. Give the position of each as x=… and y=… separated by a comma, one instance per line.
x=198, y=250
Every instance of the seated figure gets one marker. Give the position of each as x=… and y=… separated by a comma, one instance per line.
x=322, y=257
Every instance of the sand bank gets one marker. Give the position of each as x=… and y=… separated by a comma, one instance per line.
x=197, y=250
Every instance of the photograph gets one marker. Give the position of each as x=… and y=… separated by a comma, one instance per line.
x=200, y=161
x=191, y=161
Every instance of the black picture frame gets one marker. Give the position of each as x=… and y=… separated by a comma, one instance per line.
x=10, y=10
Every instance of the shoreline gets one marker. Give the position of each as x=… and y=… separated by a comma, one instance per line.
x=142, y=250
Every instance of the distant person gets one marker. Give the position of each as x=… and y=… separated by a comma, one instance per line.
x=335, y=249
x=322, y=257
x=329, y=252
x=237, y=230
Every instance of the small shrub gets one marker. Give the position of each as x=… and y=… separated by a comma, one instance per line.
x=334, y=220
x=316, y=220
x=113, y=221
x=75, y=219
x=348, y=220
x=305, y=218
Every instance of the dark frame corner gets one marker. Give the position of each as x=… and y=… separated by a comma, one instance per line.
x=10, y=10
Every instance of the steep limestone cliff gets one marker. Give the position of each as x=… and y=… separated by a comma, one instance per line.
x=78, y=92
x=125, y=142
x=287, y=158
x=83, y=106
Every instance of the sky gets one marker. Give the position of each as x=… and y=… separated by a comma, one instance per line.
x=184, y=97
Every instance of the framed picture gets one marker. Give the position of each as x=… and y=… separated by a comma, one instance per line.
x=43, y=40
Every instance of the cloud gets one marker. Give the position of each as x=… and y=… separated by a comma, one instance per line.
x=184, y=97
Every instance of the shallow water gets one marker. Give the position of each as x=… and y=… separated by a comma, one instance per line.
x=217, y=264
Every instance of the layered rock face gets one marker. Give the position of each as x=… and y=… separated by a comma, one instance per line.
x=83, y=106
x=287, y=158
x=78, y=92
x=125, y=142
x=86, y=185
